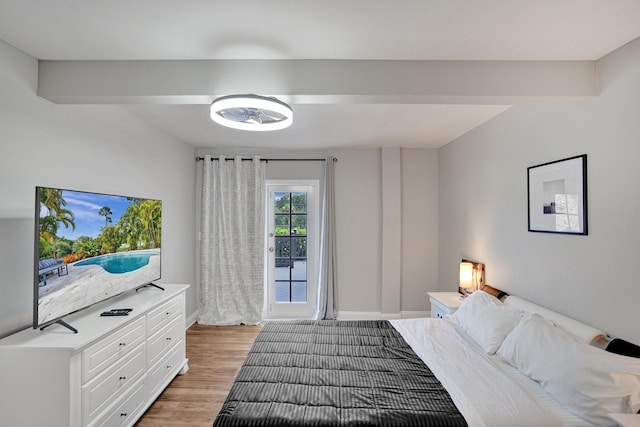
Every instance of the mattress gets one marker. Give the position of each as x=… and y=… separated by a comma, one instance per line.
x=487, y=391
x=331, y=373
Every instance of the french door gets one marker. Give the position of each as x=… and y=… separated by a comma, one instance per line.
x=292, y=236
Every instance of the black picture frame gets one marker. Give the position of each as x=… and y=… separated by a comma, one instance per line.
x=557, y=196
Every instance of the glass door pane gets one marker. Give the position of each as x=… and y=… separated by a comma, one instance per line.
x=290, y=219
x=290, y=214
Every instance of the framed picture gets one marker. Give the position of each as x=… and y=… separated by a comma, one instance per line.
x=558, y=196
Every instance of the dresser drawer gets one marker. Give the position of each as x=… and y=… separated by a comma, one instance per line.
x=163, y=340
x=105, y=388
x=161, y=316
x=127, y=411
x=162, y=370
x=437, y=310
x=107, y=351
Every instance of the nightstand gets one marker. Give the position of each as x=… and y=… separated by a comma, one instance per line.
x=443, y=303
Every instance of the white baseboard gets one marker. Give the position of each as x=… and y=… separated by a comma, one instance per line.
x=376, y=315
x=191, y=319
x=347, y=315
x=390, y=316
x=414, y=314
x=359, y=315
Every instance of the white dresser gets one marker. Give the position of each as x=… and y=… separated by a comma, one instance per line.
x=107, y=374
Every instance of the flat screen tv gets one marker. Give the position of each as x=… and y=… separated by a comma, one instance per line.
x=90, y=247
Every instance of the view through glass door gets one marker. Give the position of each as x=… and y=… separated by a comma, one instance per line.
x=291, y=253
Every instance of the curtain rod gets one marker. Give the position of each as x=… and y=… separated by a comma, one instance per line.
x=270, y=160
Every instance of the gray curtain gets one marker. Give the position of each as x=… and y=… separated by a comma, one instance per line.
x=327, y=296
x=232, y=242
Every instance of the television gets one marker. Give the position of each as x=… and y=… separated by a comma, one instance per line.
x=90, y=247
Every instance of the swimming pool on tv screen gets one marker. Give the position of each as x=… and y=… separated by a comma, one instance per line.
x=123, y=262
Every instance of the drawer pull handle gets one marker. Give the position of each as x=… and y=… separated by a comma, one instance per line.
x=168, y=366
x=168, y=313
x=122, y=344
x=168, y=338
x=123, y=378
x=124, y=414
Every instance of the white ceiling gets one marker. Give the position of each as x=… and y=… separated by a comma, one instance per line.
x=451, y=30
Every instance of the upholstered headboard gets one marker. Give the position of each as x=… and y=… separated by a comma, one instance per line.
x=581, y=330
x=495, y=292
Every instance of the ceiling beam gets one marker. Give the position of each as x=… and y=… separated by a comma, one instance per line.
x=316, y=81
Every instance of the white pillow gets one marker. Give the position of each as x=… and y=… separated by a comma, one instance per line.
x=486, y=320
x=589, y=381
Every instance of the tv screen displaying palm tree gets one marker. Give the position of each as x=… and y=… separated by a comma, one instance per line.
x=90, y=247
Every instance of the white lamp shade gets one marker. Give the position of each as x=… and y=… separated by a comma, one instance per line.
x=466, y=275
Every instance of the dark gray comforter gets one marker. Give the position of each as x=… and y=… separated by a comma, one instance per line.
x=335, y=373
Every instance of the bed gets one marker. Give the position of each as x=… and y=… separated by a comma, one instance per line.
x=432, y=372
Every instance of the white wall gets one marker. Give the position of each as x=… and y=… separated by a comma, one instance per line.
x=92, y=148
x=359, y=207
x=483, y=202
x=359, y=230
x=419, y=227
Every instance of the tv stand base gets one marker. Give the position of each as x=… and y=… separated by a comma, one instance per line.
x=150, y=284
x=63, y=323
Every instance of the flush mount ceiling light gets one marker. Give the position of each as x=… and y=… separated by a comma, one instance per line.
x=251, y=112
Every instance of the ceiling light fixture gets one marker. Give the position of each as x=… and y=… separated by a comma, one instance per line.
x=251, y=112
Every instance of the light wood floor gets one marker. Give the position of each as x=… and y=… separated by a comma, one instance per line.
x=215, y=355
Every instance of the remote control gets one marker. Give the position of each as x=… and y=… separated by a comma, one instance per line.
x=114, y=313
